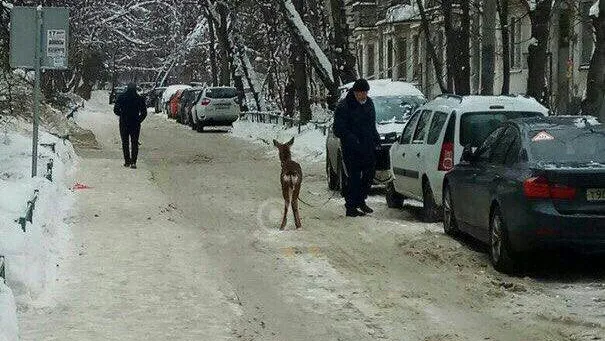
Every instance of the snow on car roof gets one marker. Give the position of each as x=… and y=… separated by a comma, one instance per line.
x=387, y=87
x=487, y=103
x=171, y=90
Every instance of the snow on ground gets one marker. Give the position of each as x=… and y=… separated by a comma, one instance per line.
x=32, y=257
x=309, y=145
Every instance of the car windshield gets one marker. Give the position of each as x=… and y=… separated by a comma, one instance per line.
x=568, y=146
x=475, y=127
x=396, y=108
x=221, y=93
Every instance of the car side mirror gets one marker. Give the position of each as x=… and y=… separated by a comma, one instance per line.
x=467, y=154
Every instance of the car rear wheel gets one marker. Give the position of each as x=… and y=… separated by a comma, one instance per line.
x=500, y=254
x=331, y=176
x=430, y=213
x=394, y=199
x=450, y=225
x=199, y=126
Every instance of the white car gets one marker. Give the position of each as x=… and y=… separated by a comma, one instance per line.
x=433, y=140
x=394, y=102
x=216, y=106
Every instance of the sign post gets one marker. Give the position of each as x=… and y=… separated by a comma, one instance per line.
x=38, y=41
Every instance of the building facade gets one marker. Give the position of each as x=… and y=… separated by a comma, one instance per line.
x=390, y=43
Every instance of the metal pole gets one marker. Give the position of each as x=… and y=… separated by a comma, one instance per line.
x=37, y=96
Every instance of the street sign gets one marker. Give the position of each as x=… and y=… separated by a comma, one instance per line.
x=38, y=40
x=54, y=35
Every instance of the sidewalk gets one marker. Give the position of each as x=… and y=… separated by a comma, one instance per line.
x=139, y=271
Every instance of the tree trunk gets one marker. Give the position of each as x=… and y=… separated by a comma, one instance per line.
x=488, y=36
x=503, y=15
x=212, y=49
x=316, y=56
x=462, y=63
x=450, y=43
x=225, y=53
x=537, y=58
x=344, y=58
x=289, y=97
x=300, y=73
x=431, y=47
x=595, y=84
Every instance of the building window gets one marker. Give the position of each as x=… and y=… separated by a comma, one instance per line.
x=370, y=66
x=402, y=52
x=587, y=34
x=515, y=43
x=390, y=58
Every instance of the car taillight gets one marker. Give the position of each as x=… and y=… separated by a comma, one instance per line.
x=540, y=188
x=205, y=101
x=446, y=159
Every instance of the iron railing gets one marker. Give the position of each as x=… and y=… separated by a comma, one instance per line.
x=29, y=211
x=276, y=117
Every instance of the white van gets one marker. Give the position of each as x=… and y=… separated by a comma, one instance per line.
x=433, y=140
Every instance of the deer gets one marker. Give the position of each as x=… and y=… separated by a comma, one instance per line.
x=291, y=180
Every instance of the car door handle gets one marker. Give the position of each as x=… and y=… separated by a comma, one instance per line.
x=418, y=155
x=403, y=155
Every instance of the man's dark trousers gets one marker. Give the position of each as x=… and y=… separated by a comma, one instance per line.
x=360, y=182
x=129, y=132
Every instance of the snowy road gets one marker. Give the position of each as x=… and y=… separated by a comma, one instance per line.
x=186, y=248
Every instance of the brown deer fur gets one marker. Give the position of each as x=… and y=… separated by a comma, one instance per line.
x=291, y=179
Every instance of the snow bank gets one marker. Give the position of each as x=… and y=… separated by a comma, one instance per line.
x=9, y=330
x=32, y=257
x=309, y=145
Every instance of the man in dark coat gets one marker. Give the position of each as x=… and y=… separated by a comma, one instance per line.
x=355, y=126
x=131, y=109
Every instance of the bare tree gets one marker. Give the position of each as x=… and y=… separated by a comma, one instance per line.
x=537, y=58
x=488, y=37
x=502, y=6
x=595, y=84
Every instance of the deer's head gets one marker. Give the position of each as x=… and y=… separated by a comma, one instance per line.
x=284, y=149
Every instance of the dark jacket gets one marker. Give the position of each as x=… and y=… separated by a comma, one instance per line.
x=131, y=108
x=355, y=126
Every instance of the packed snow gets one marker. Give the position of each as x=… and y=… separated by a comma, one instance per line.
x=32, y=257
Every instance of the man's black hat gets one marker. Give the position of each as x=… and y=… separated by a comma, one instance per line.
x=361, y=85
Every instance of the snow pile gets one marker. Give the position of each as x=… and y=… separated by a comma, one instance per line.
x=32, y=257
x=9, y=330
x=400, y=13
x=309, y=145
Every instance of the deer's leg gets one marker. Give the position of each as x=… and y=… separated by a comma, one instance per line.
x=285, y=188
x=295, y=194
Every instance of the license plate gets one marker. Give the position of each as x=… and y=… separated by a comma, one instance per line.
x=595, y=194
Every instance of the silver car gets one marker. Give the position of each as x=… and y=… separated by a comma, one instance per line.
x=215, y=106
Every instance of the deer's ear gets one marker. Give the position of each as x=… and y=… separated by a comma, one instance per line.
x=275, y=143
x=291, y=142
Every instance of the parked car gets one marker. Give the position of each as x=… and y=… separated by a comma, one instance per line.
x=167, y=95
x=535, y=183
x=394, y=102
x=154, y=98
x=116, y=92
x=432, y=142
x=188, y=99
x=173, y=107
x=216, y=106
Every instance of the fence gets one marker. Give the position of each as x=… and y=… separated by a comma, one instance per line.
x=31, y=204
x=276, y=117
x=2, y=269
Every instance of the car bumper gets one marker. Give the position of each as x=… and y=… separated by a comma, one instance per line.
x=545, y=228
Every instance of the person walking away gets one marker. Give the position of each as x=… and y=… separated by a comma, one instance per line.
x=355, y=126
x=131, y=109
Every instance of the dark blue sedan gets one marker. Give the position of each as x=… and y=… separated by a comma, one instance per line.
x=534, y=184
